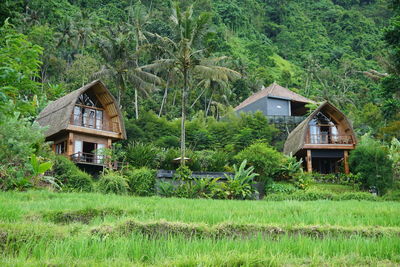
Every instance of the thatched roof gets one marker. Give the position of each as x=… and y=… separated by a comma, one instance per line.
x=296, y=139
x=274, y=90
x=57, y=114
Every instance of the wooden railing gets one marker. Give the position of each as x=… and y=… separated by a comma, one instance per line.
x=95, y=159
x=329, y=139
x=110, y=126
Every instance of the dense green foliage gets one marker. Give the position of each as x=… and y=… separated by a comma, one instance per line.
x=265, y=160
x=326, y=50
x=111, y=182
x=370, y=160
x=141, y=181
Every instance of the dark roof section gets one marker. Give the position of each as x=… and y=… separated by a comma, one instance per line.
x=56, y=115
x=297, y=137
x=274, y=90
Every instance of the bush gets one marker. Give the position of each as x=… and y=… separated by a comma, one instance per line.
x=143, y=155
x=240, y=186
x=112, y=182
x=265, y=160
x=290, y=168
x=183, y=173
x=168, y=142
x=165, y=189
x=19, y=139
x=392, y=195
x=339, y=178
x=302, y=180
x=286, y=188
x=209, y=160
x=141, y=181
x=70, y=176
x=79, y=181
x=371, y=161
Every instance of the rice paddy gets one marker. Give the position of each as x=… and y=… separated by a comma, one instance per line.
x=64, y=229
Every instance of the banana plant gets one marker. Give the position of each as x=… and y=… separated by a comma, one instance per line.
x=39, y=170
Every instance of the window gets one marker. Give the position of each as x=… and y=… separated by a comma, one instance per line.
x=88, y=112
x=323, y=130
x=61, y=147
x=99, y=119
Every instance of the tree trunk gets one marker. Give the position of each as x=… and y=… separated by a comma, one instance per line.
x=183, y=135
x=197, y=99
x=164, y=98
x=209, y=103
x=136, y=104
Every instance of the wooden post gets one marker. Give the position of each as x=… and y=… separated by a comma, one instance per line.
x=109, y=143
x=309, y=161
x=70, y=143
x=346, y=162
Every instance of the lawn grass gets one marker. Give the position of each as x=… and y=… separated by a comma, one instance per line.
x=45, y=228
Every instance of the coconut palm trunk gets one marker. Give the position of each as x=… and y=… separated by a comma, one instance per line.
x=183, y=131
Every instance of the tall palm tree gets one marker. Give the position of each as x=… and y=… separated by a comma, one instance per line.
x=120, y=63
x=184, y=53
x=138, y=19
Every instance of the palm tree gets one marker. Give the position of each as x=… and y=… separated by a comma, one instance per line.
x=120, y=63
x=183, y=53
x=138, y=19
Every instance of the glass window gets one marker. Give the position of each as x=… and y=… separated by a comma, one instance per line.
x=61, y=147
x=99, y=119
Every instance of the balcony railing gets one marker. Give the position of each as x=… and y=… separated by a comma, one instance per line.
x=329, y=139
x=95, y=159
x=277, y=119
x=95, y=124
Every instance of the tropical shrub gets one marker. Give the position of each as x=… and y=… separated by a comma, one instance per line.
x=141, y=181
x=168, y=141
x=265, y=160
x=112, y=182
x=143, y=155
x=19, y=139
x=302, y=180
x=167, y=156
x=79, y=181
x=370, y=160
x=289, y=168
x=183, y=173
x=70, y=176
x=165, y=189
x=394, y=155
x=209, y=160
x=239, y=186
x=286, y=188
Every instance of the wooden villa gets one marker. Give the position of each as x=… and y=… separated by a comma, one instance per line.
x=82, y=122
x=279, y=104
x=323, y=140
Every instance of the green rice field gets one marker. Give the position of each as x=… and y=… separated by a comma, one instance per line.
x=40, y=228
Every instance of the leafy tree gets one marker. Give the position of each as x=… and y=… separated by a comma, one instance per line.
x=114, y=47
x=19, y=66
x=189, y=59
x=370, y=159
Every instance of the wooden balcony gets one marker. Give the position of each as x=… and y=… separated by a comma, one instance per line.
x=94, y=159
x=87, y=122
x=327, y=139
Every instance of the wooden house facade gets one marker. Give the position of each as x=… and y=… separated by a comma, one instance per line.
x=323, y=140
x=83, y=122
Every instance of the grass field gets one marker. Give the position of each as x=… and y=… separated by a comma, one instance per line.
x=64, y=229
